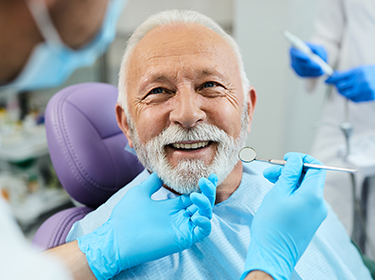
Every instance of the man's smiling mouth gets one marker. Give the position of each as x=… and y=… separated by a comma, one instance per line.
x=190, y=146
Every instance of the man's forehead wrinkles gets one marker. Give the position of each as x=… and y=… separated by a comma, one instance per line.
x=163, y=76
x=173, y=48
x=147, y=57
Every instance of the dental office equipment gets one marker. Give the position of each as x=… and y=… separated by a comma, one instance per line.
x=303, y=47
x=248, y=154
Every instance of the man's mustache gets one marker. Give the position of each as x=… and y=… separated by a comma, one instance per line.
x=202, y=132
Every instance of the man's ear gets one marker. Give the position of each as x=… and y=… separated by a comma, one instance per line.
x=251, y=101
x=122, y=122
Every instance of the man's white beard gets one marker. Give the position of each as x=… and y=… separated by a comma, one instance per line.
x=185, y=176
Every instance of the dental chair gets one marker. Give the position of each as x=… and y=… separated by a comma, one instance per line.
x=87, y=151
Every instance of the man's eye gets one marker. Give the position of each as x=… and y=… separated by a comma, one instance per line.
x=209, y=85
x=157, y=90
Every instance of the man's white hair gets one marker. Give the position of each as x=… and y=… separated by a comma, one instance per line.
x=173, y=17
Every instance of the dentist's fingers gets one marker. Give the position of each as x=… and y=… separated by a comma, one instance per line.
x=208, y=187
x=202, y=227
x=273, y=173
x=152, y=184
x=203, y=204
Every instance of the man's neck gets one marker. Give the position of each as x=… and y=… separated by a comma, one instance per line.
x=230, y=184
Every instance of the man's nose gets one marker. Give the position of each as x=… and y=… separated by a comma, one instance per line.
x=187, y=110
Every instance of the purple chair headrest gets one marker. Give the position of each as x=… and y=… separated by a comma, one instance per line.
x=86, y=145
x=55, y=229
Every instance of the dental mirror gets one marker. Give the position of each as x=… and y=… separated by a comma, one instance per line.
x=248, y=154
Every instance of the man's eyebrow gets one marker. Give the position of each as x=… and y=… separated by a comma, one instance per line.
x=198, y=73
x=159, y=78
x=153, y=78
x=205, y=72
x=210, y=72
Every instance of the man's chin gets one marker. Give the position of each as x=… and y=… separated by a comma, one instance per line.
x=183, y=179
x=182, y=191
x=182, y=185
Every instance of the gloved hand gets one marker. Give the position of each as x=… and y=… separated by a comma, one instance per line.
x=288, y=217
x=141, y=229
x=357, y=84
x=303, y=66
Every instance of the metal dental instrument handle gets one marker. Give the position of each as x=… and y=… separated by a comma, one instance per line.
x=310, y=165
x=248, y=154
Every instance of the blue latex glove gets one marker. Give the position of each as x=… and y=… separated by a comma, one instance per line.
x=288, y=217
x=141, y=229
x=357, y=84
x=303, y=66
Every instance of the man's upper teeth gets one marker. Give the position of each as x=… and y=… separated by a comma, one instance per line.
x=190, y=146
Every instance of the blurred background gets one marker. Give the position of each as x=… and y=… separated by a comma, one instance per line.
x=285, y=116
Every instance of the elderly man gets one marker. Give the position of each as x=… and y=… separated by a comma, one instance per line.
x=186, y=107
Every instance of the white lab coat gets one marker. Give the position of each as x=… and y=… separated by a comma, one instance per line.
x=346, y=28
x=18, y=260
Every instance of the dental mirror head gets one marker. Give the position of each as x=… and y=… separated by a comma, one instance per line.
x=247, y=154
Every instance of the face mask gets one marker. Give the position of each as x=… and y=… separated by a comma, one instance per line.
x=51, y=61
